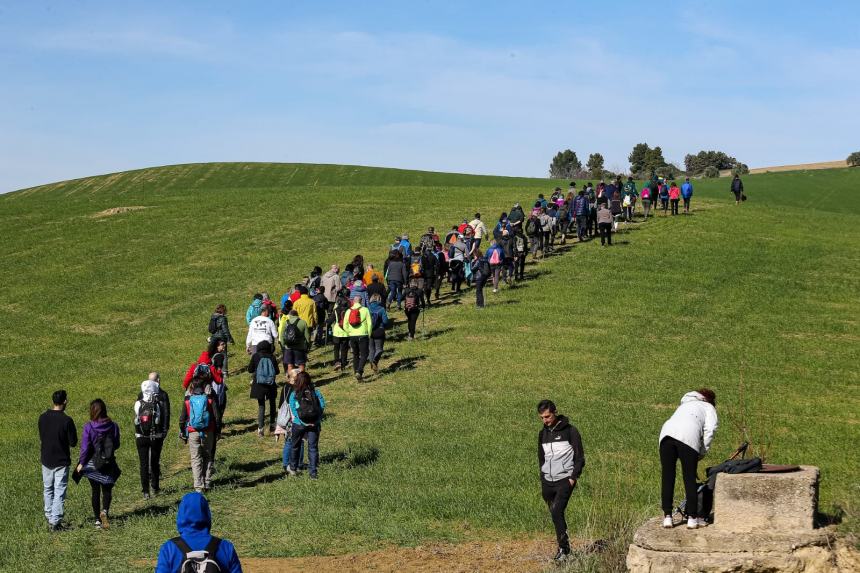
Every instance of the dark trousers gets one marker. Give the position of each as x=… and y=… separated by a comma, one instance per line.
x=149, y=452
x=261, y=411
x=672, y=450
x=581, y=226
x=103, y=493
x=520, y=266
x=395, y=291
x=546, y=244
x=592, y=221
x=556, y=494
x=341, y=350
x=664, y=203
x=605, y=233
x=674, y=206
x=480, y=281
x=686, y=204
x=312, y=434
x=377, y=345
x=412, y=320
x=360, y=346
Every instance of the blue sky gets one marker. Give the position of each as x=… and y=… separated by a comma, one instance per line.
x=481, y=87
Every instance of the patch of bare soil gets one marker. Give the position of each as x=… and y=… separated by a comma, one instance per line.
x=496, y=556
x=117, y=211
x=801, y=166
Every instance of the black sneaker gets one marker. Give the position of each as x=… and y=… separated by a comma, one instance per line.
x=145, y=495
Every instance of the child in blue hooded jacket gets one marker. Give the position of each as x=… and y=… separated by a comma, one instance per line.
x=193, y=521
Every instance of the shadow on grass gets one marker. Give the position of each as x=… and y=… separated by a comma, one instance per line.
x=407, y=363
x=238, y=431
x=251, y=467
x=352, y=457
x=824, y=519
x=419, y=334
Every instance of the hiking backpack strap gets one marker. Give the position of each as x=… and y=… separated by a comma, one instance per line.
x=183, y=547
x=212, y=546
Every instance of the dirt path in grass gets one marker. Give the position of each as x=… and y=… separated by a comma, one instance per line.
x=497, y=556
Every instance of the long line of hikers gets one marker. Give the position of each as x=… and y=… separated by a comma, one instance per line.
x=348, y=310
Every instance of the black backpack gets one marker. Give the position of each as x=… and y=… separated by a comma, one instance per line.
x=149, y=415
x=202, y=561
x=291, y=333
x=104, y=451
x=309, y=406
x=213, y=324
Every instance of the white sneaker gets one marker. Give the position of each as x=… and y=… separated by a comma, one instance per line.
x=692, y=523
x=667, y=522
x=701, y=522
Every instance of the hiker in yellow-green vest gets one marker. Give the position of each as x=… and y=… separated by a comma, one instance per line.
x=357, y=326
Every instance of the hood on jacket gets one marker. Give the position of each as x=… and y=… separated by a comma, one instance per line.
x=358, y=286
x=330, y=274
x=561, y=423
x=100, y=426
x=691, y=396
x=257, y=303
x=149, y=388
x=264, y=347
x=204, y=358
x=193, y=516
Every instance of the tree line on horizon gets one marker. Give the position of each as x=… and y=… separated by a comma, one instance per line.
x=645, y=160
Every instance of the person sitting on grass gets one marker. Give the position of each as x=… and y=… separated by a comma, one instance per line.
x=195, y=545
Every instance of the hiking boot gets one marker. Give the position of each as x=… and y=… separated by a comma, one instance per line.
x=271, y=429
x=103, y=518
x=145, y=495
x=561, y=555
x=668, y=523
x=337, y=366
x=290, y=471
x=98, y=524
x=260, y=432
x=358, y=376
x=692, y=523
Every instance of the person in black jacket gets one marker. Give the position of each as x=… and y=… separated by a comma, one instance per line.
x=58, y=434
x=151, y=424
x=218, y=326
x=561, y=459
x=737, y=189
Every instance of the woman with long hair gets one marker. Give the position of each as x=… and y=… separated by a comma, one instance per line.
x=97, y=461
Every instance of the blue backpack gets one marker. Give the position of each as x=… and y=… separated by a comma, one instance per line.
x=198, y=414
x=265, y=373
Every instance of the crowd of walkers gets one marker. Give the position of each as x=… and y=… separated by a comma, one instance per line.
x=347, y=311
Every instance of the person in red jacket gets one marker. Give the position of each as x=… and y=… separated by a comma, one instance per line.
x=205, y=360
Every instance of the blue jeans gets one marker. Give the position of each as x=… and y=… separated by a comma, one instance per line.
x=54, y=484
x=288, y=446
x=395, y=288
x=313, y=435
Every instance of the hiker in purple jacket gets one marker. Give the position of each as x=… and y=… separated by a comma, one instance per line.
x=97, y=461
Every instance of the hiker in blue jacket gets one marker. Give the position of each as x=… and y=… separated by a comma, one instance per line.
x=193, y=521
x=255, y=308
x=303, y=392
x=686, y=193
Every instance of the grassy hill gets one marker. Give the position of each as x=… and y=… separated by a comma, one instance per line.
x=108, y=277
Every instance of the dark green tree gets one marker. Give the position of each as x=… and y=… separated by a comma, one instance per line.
x=565, y=165
x=696, y=164
x=854, y=159
x=594, y=165
x=638, y=157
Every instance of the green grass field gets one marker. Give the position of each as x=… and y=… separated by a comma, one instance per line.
x=759, y=302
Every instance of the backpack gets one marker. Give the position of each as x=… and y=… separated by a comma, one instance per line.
x=213, y=324
x=309, y=406
x=532, y=227
x=495, y=258
x=202, y=561
x=415, y=267
x=646, y=193
x=355, y=317
x=104, y=451
x=198, y=412
x=519, y=244
x=219, y=391
x=291, y=333
x=202, y=371
x=265, y=372
x=411, y=301
x=149, y=416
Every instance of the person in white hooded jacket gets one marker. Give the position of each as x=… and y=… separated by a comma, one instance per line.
x=687, y=436
x=151, y=424
x=260, y=328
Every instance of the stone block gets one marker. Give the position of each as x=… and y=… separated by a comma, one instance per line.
x=775, y=502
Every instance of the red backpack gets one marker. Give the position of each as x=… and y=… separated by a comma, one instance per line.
x=355, y=317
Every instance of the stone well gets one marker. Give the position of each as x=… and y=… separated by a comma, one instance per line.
x=763, y=522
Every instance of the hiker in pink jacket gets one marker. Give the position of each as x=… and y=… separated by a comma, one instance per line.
x=674, y=197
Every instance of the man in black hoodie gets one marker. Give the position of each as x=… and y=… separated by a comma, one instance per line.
x=561, y=459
